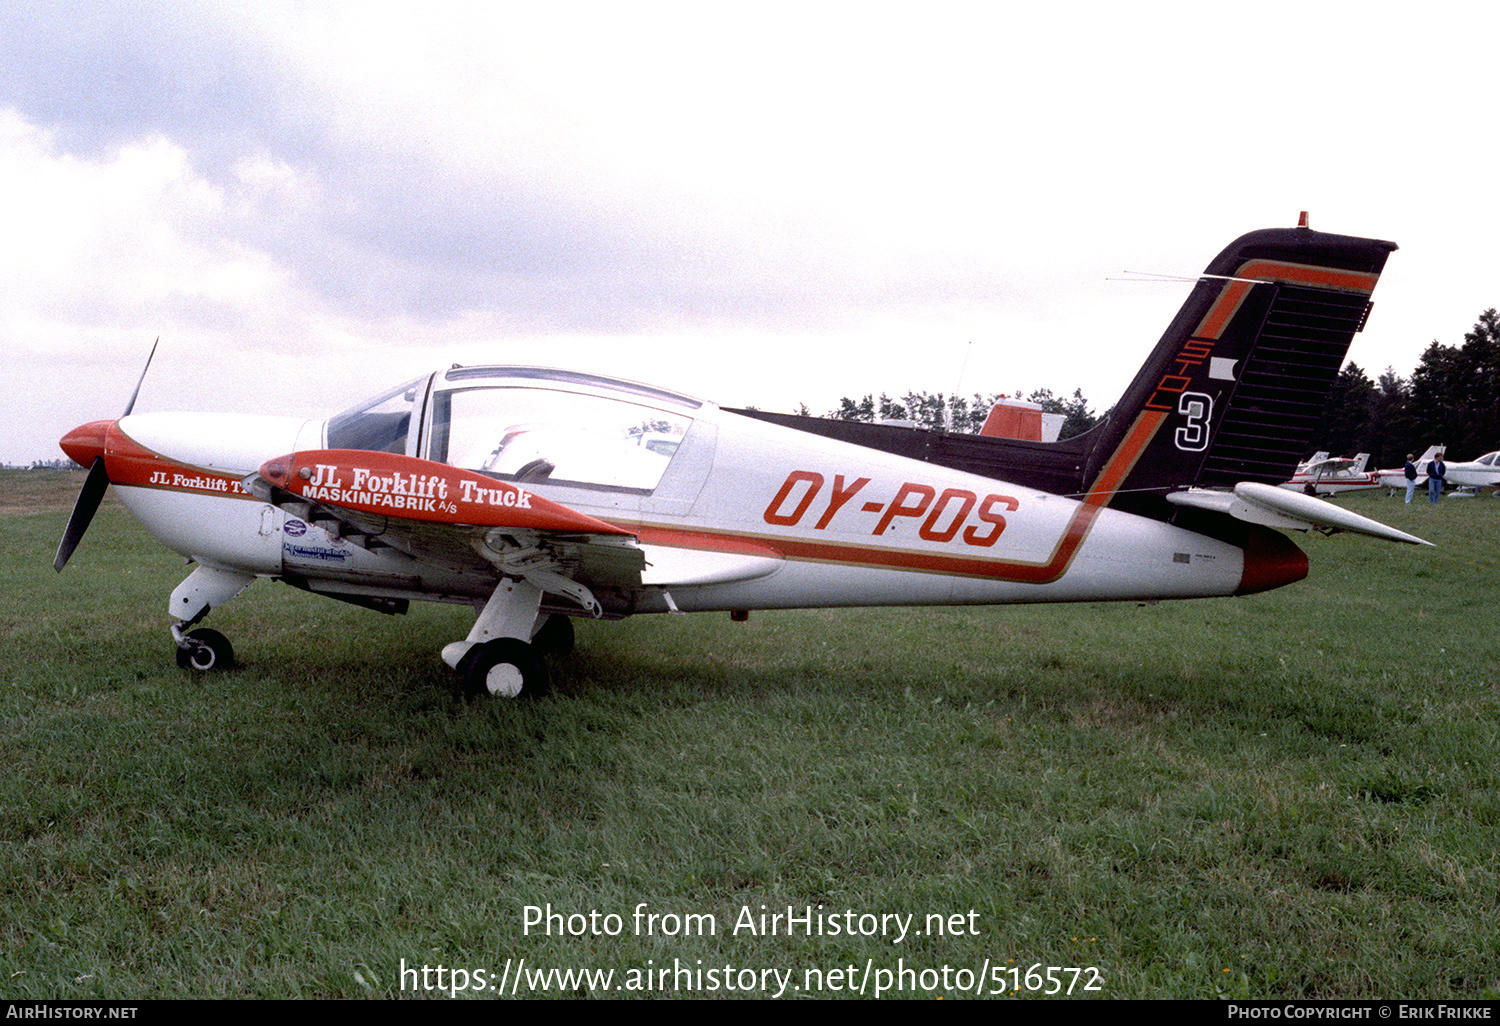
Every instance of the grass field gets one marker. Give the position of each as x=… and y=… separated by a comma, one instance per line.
x=1282, y=796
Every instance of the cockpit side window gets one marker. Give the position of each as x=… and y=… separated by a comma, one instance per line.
x=533, y=435
x=380, y=424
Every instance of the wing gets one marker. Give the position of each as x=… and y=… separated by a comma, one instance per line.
x=452, y=517
x=1335, y=464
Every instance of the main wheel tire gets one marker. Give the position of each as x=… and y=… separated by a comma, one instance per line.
x=207, y=650
x=555, y=637
x=505, y=668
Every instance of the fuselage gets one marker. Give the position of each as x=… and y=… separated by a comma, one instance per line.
x=732, y=513
x=1332, y=484
x=1481, y=473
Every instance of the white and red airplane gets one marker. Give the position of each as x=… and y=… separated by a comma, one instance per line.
x=537, y=495
x=1321, y=475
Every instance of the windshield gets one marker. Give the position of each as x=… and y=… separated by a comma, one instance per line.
x=380, y=424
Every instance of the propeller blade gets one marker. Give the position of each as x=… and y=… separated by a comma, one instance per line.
x=77, y=444
x=142, y=380
x=84, y=509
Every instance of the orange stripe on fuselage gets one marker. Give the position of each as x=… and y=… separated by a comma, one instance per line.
x=1015, y=571
x=132, y=465
x=809, y=551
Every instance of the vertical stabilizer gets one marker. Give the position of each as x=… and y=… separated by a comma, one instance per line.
x=1236, y=387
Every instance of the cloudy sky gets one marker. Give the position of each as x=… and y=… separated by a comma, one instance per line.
x=761, y=204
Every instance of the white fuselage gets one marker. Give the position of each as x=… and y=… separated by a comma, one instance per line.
x=747, y=515
x=1481, y=473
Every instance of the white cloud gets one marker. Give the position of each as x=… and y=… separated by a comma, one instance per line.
x=112, y=245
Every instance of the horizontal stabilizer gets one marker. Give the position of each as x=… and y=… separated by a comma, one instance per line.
x=1270, y=506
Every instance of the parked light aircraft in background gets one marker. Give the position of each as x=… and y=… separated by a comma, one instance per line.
x=1323, y=476
x=537, y=495
x=1396, y=478
x=1481, y=473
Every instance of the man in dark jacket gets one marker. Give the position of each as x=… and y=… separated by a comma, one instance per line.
x=1436, y=471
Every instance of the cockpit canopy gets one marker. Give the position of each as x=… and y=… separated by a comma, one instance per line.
x=526, y=424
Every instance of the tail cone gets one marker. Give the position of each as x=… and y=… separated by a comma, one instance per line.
x=1271, y=560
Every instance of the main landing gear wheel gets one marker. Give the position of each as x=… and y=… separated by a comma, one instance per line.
x=505, y=668
x=206, y=650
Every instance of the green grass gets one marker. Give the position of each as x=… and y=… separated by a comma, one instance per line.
x=1282, y=796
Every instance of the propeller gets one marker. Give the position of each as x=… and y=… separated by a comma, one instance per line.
x=86, y=439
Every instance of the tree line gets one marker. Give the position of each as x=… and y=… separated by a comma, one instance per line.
x=1452, y=399
x=961, y=414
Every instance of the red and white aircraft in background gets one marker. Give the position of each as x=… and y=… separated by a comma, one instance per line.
x=537, y=495
x=1323, y=476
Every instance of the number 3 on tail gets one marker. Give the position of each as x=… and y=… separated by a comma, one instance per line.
x=1197, y=410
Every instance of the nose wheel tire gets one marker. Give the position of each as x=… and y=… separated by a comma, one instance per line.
x=206, y=650
x=505, y=668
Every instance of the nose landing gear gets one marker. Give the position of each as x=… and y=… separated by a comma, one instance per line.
x=203, y=649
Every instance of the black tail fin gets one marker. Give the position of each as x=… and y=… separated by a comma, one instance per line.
x=1237, y=385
